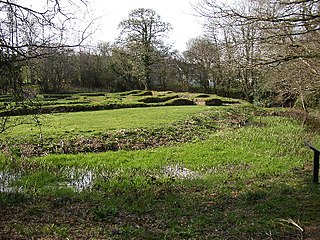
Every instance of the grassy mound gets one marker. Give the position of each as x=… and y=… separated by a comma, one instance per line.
x=73, y=107
x=144, y=93
x=110, y=130
x=203, y=96
x=132, y=92
x=92, y=94
x=56, y=96
x=55, y=103
x=213, y=102
x=179, y=102
x=158, y=99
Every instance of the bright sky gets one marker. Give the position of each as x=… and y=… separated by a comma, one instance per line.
x=179, y=13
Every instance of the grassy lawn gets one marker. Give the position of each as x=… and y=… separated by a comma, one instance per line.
x=97, y=122
x=241, y=182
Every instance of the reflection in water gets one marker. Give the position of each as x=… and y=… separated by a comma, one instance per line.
x=83, y=179
x=180, y=172
x=6, y=177
x=79, y=179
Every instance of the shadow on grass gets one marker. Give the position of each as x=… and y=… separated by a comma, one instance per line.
x=266, y=208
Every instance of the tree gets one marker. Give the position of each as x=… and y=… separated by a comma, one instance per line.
x=204, y=56
x=53, y=73
x=28, y=33
x=142, y=33
x=284, y=34
x=124, y=66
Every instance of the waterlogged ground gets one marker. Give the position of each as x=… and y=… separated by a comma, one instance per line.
x=16, y=180
x=248, y=178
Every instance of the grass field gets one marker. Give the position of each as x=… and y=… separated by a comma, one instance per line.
x=248, y=178
x=97, y=122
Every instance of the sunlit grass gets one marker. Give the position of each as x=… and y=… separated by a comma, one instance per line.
x=247, y=182
x=97, y=122
x=277, y=141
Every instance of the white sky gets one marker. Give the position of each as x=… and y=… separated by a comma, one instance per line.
x=179, y=13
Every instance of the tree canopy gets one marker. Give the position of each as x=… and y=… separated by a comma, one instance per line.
x=143, y=33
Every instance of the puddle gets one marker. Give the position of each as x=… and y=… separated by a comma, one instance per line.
x=180, y=172
x=5, y=180
x=81, y=179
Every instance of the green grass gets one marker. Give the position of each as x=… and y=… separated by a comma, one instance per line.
x=244, y=175
x=241, y=183
x=97, y=122
x=280, y=136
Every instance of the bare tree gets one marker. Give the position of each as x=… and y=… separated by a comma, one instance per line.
x=286, y=33
x=28, y=32
x=31, y=32
x=204, y=56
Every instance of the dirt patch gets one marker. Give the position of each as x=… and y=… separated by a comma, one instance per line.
x=312, y=233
